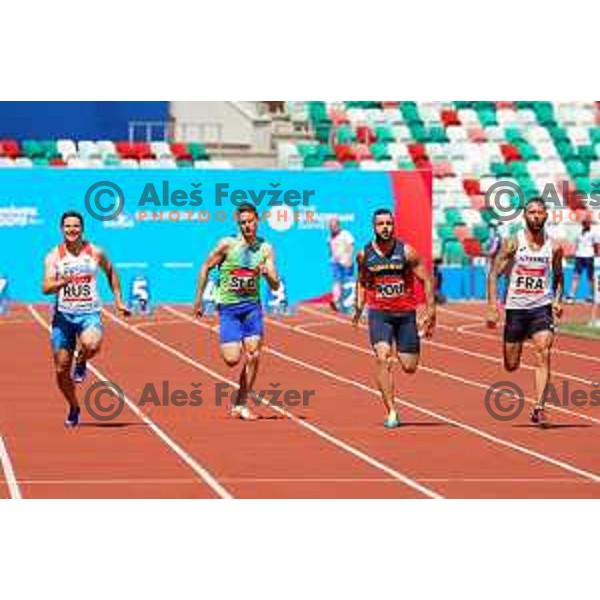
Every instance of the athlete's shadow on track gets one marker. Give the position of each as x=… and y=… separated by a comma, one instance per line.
x=405, y=424
x=554, y=425
x=114, y=425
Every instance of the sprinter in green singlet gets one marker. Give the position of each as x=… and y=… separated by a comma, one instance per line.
x=241, y=260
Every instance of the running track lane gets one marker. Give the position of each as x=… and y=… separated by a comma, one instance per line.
x=455, y=461
x=482, y=367
x=459, y=401
x=122, y=461
x=575, y=370
x=270, y=458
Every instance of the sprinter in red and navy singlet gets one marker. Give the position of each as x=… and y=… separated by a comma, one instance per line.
x=386, y=285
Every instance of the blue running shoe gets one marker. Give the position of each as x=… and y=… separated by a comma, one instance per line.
x=73, y=417
x=538, y=416
x=79, y=371
x=392, y=421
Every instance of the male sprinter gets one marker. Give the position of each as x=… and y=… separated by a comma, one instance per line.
x=532, y=302
x=70, y=272
x=241, y=261
x=386, y=271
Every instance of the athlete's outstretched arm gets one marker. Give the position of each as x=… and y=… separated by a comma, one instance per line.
x=51, y=282
x=359, y=295
x=269, y=270
x=114, y=283
x=216, y=257
x=506, y=254
x=558, y=279
x=423, y=275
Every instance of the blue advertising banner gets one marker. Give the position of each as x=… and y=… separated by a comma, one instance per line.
x=168, y=221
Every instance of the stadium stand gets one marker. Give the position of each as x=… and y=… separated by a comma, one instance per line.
x=468, y=145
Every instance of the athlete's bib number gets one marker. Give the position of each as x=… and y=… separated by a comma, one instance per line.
x=529, y=284
x=388, y=290
x=243, y=282
x=77, y=292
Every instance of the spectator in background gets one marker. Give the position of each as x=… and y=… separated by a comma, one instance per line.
x=438, y=281
x=588, y=246
x=494, y=242
x=341, y=249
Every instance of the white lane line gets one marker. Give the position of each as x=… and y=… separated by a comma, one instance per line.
x=302, y=480
x=359, y=454
x=474, y=430
x=460, y=314
x=448, y=375
x=158, y=323
x=189, y=460
x=456, y=350
x=16, y=321
x=465, y=329
x=9, y=472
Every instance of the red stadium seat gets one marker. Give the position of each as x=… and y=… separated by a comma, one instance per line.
x=505, y=104
x=510, y=152
x=180, y=151
x=344, y=153
x=417, y=151
x=10, y=148
x=449, y=117
x=472, y=187
x=423, y=163
x=365, y=135
x=472, y=247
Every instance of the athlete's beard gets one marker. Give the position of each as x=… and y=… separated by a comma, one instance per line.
x=536, y=228
x=383, y=241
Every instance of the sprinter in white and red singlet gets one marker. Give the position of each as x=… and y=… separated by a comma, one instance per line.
x=70, y=272
x=387, y=268
x=534, y=299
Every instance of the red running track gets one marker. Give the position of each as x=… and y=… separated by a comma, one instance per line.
x=334, y=447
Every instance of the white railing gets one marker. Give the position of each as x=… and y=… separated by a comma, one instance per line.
x=167, y=131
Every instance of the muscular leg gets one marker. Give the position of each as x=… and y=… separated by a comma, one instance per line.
x=250, y=370
x=542, y=343
x=62, y=366
x=590, y=274
x=384, y=374
x=90, y=342
x=231, y=353
x=512, y=355
x=408, y=362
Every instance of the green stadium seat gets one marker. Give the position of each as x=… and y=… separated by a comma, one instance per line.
x=198, y=151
